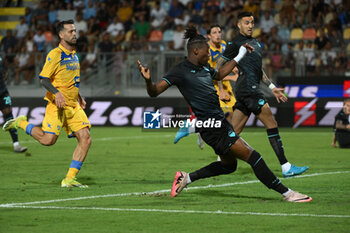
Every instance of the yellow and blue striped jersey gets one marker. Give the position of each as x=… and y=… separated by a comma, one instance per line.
x=63, y=69
x=215, y=53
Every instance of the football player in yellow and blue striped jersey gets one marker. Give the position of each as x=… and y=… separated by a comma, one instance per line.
x=61, y=77
x=224, y=89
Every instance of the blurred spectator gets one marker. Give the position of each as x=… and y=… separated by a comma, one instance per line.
x=142, y=27
x=315, y=10
x=299, y=57
x=183, y=19
x=267, y=22
x=328, y=57
x=287, y=12
x=40, y=14
x=21, y=28
x=289, y=59
x=29, y=42
x=168, y=35
x=178, y=40
x=24, y=64
x=125, y=13
x=90, y=61
x=174, y=11
x=8, y=42
x=103, y=15
x=212, y=10
x=8, y=3
x=155, y=35
x=341, y=63
x=93, y=29
x=321, y=40
x=276, y=60
x=78, y=4
x=250, y=6
x=28, y=16
x=310, y=56
x=52, y=15
x=82, y=42
x=336, y=39
x=142, y=9
x=158, y=15
x=80, y=24
x=90, y=10
x=134, y=43
x=273, y=38
x=302, y=8
x=39, y=40
x=116, y=28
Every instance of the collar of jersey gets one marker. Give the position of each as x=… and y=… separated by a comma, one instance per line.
x=66, y=51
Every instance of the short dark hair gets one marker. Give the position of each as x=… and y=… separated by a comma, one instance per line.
x=244, y=14
x=60, y=26
x=195, y=40
x=213, y=26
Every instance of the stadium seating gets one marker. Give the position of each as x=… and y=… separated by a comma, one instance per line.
x=296, y=34
x=309, y=34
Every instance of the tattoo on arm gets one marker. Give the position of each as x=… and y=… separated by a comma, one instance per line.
x=48, y=85
x=265, y=79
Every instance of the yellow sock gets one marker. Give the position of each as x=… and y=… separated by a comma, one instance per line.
x=72, y=172
x=23, y=125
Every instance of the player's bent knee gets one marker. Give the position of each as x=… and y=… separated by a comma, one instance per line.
x=229, y=168
x=48, y=141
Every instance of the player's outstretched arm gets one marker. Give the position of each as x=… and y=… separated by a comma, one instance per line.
x=225, y=67
x=153, y=90
x=276, y=91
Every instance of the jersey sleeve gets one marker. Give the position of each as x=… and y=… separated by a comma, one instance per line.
x=231, y=51
x=173, y=77
x=50, y=66
x=212, y=71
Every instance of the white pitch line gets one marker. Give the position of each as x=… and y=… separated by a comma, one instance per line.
x=8, y=205
x=187, y=211
x=105, y=139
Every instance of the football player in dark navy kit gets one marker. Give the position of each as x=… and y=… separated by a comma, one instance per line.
x=249, y=97
x=342, y=126
x=5, y=107
x=194, y=79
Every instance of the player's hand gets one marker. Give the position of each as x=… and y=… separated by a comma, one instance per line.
x=145, y=72
x=278, y=93
x=59, y=100
x=224, y=96
x=248, y=47
x=334, y=144
x=82, y=102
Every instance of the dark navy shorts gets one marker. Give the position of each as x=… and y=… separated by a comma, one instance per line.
x=250, y=104
x=220, y=139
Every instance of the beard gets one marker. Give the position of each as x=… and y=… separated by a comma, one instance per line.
x=71, y=43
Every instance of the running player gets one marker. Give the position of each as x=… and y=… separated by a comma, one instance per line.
x=224, y=88
x=194, y=79
x=248, y=94
x=61, y=77
x=5, y=107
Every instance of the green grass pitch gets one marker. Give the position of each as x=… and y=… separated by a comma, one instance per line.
x=130, y=173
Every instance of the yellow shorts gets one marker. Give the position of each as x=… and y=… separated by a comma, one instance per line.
x=226, y=106
x=71, y=119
